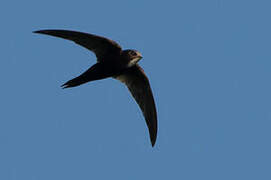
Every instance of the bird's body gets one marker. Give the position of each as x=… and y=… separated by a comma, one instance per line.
x=114, y=62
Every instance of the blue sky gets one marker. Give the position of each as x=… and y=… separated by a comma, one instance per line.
x=209, y=67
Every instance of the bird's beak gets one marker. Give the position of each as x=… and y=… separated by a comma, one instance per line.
x=139, y=56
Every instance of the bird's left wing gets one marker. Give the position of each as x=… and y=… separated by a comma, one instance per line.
x=102, y=47
x=139, y=86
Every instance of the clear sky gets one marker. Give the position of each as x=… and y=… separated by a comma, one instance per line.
x=209, y=64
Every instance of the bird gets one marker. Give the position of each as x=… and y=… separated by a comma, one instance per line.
x=113, y=62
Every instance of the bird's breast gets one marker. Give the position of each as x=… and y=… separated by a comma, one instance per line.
x=121, y=78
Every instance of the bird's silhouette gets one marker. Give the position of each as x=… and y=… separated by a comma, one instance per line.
x=114, y=62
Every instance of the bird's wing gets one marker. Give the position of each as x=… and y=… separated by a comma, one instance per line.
x=139, y=86
x=103, y=48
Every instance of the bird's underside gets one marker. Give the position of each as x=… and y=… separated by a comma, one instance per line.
x=116, y=63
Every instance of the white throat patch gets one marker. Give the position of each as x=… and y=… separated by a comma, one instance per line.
x=133, y=61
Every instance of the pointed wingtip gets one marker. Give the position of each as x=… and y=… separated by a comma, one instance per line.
x=153, y=137
x=153, y=143
x=36, y=31
x=42, y=31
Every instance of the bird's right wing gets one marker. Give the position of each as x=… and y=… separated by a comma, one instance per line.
x=139, y=86
x=102, y=47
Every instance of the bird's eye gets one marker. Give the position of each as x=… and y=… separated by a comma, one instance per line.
x=133, y=53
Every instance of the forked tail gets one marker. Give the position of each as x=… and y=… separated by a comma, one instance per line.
x=96, y=72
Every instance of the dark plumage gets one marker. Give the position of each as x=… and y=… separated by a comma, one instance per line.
x=117, y=63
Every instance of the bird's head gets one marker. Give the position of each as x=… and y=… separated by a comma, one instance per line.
x=131, y=56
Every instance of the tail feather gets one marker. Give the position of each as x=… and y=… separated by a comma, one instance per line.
x=74, y=82
x=96, y=72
